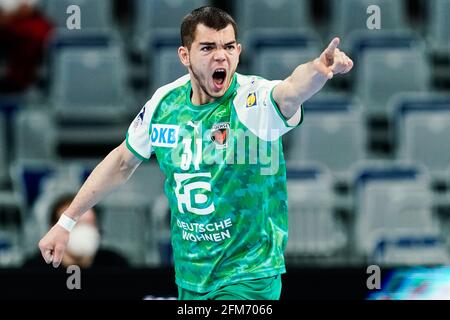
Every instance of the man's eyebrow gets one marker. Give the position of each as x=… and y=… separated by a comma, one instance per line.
x=213, y=43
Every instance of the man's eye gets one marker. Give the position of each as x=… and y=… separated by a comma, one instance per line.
x=208, y=48
x=230, y=47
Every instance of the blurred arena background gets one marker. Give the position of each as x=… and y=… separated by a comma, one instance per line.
x=368, y=170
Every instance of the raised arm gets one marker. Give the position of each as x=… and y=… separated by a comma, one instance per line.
x=307, y=79
x=113, y=171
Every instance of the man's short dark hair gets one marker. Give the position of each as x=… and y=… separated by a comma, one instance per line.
x=211, y=17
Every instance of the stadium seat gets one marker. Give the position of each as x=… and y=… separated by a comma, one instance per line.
x=164, y=64
x=94, y=15
x=349, y=16
x=89, y=84
x=31, y=177
x=274, y=53
x=332, y=134
x=439, y=24
x=287, y=15
x=126, y=225
x=422, y=129
x=34, y=135
x=127, y=222
x=394, y=223
x=155, y=15
x=382, y=73
x=313, y=230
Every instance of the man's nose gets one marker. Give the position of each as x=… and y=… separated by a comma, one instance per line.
x=219, y=55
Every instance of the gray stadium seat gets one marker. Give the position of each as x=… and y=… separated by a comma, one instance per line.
x=164, y=64
x=89, y=84
x=394, y=223
x=348, y=16
x=382, y=73
x=422, y=131
x=313, y=230
x=439, y=24
x=274, y=53
x=34, y=135
x=95, y=15
x=332, y=134
x=166, y=67
x=279, y=63
x=127, y=222
x=253, y=15
x=155, y=15
x=126, y=225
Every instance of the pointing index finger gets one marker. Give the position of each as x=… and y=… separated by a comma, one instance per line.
x=332, y=46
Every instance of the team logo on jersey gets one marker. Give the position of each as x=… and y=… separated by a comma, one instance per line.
x=164, y=135
x=220, y=133
x=139, y=119
x=251, y=100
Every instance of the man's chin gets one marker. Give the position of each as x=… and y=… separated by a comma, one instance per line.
x=218, y=92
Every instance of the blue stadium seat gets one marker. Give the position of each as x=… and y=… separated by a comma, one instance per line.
x=32, y=177
x=161, y=217
x=44, y=183
x=11, y=227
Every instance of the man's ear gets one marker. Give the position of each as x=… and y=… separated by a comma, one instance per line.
x=239, y=49
x=183, y=54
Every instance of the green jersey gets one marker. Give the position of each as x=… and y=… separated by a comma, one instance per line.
x=225, y=179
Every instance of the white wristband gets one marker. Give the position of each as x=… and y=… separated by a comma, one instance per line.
x=66, y=222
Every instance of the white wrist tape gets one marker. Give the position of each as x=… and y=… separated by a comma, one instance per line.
x=66, y=222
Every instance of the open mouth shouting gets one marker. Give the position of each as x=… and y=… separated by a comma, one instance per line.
x=219, y=77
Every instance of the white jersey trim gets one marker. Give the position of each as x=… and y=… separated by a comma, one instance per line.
x=257, y=110
x=138, y=134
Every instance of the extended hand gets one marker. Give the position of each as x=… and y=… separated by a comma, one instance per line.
x=333, y=61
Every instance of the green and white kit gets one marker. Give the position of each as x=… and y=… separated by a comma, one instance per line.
x=225, y=179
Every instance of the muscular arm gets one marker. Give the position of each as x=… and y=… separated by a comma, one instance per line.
x=114, y=170
x=307, y=79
